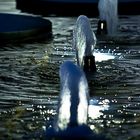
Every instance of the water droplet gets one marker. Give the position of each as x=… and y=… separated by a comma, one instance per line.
x=129, y=98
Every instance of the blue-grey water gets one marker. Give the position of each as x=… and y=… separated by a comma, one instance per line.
x=29, y=81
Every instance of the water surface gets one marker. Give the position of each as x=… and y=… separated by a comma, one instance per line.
x=29, y=81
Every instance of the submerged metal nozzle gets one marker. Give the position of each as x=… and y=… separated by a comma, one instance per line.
x=89, y=64
x=102, y=27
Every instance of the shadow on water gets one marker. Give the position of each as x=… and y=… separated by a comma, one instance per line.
x=29, y=84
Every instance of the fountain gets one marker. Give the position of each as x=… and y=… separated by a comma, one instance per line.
x=84, y=41
x=108, y=11
x=72, y=112
x=74, y=96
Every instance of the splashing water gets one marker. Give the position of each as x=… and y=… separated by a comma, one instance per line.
x=73, y=103
x=84, y=39
x=72, y=113
x=108, y=11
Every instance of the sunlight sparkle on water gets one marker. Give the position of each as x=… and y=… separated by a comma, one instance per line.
x=103, y=56
x=95, y=109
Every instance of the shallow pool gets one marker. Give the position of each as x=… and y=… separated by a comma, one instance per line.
x=29, y=82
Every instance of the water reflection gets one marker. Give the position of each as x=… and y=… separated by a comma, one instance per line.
x=103, y=56
x=96, y=108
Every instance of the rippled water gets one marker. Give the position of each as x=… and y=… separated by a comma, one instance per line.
x=29, y=82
